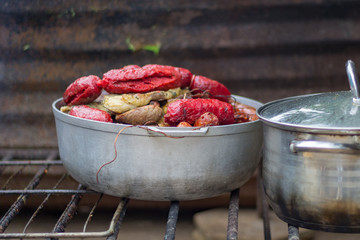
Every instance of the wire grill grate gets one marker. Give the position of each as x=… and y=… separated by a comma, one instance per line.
x=36, y=165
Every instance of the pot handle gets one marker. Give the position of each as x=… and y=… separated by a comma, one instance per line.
x=353, y=81
x=323, y=147
x=177, y=132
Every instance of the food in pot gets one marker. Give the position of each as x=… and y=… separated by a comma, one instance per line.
x=106, y=157
x=184, y=124
x=200, y=84
x=188, y=110
x=144, y=115
x=119, y=103
x=82, y=91
x=96, y=105
x=86, y=112
x=140, y=80
x=185, y=77
x=126, y=95
x=207, y=119
x=185, y=74
x=244, y=113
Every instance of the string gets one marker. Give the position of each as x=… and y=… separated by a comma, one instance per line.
x=116, y=138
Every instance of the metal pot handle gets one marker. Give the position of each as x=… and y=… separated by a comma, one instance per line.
x=323, y=147
x=353, y=81
x=177, y=132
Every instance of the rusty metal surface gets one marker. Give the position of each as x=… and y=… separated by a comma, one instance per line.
x=233, y=216
x=60, y=225
x=259, y=50
x=21, y=204
x=172, y=221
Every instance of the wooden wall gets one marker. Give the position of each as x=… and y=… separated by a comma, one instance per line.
x=260, y=49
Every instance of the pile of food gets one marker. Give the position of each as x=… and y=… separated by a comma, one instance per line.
x=154, y=95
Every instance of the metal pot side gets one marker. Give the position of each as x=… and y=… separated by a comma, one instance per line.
x=311, y=164
x=201, y=163
x=310, y=183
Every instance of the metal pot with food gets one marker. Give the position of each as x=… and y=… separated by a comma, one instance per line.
x=311, y=161
x=157, y=133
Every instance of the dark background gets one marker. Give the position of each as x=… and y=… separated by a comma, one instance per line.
x=263, y=50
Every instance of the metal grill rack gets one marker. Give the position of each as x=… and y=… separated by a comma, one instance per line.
x=43, y=161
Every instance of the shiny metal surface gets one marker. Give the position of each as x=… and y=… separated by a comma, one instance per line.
x=312, y=189
x=150, y=165
x=353, y=81
x=311, y=164
x=322, y=113
x=298, y=146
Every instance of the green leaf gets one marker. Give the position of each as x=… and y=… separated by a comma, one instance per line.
x=72, y=12
x=130, y=46
x=153, y=48
x=26, y=47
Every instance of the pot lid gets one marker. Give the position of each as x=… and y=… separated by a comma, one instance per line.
x=334, y=110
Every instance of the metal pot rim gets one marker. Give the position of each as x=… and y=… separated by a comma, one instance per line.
x=303, y=127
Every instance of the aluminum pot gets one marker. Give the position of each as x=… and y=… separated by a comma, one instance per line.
x=198, y=163
x=311, y=164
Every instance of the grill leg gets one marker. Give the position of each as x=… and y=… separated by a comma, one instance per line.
x=262, y=205
x=114, y=236
x=266, y=220
x=232, y=229
x=293, y=232
x=172, y=220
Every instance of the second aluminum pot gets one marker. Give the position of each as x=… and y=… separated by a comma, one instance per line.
x=311, y=165
x=184, y=164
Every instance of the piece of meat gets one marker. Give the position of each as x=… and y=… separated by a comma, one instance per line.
x=244, y=113
x=189, y=110
x=141, y=116
x=184, y=124
x=119, y=103
x=207, y=119
x=140, y=80
x=215, y=89
x=185, y=74
x=82, y=91
x=83, y=111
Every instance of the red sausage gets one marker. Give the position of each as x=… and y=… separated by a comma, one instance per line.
x=86, y=112
x=216, y=90
x=134, y=79
x=189, y=110
x=185, y=75
x=82, y=91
